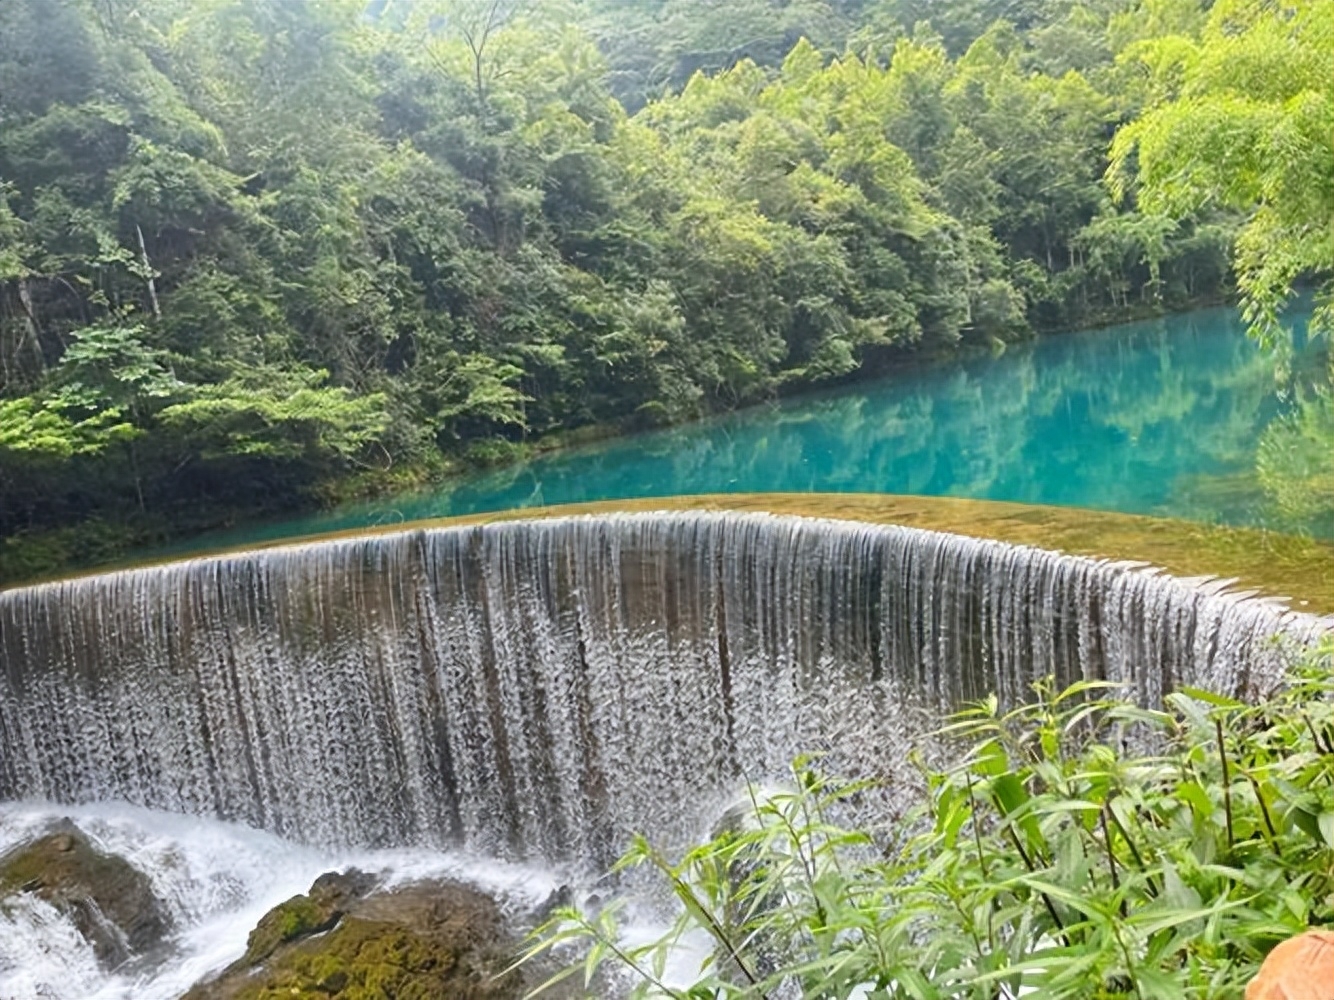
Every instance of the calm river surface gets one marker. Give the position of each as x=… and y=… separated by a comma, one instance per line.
x=1160, y=417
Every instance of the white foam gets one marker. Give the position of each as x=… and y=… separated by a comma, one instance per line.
x=217, y=879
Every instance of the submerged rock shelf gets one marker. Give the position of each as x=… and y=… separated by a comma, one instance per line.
x=1294, y=568
x=1274, y=564
x=542, y=688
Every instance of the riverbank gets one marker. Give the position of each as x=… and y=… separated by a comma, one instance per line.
x=896, y=433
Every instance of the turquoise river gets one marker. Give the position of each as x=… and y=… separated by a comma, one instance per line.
x=1160, y=418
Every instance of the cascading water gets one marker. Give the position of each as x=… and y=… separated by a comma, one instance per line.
x=544, y=688
x=215, y=880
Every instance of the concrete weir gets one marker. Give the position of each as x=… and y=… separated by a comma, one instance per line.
x=543, y=688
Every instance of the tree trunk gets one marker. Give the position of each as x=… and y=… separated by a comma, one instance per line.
x=34, y=332
x=148, y=267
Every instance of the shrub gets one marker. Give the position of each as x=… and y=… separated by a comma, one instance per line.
x=1082, y=847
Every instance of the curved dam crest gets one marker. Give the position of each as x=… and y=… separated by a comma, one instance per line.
x=545, y=688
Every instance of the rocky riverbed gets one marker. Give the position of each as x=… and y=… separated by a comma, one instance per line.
x=129, y=903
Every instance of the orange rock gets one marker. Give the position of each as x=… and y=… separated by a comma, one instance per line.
x=1301, y=968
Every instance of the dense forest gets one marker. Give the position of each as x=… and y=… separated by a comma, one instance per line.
x=259, y=255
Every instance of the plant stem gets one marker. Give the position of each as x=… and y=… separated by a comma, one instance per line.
x=687, y=895
x=981, y=855
x=1051, y=907
x=1111, y=857
x=1134, y=852
x=610, y=944
x=1320, y=745
x=1227, y=784
x=1264, y=811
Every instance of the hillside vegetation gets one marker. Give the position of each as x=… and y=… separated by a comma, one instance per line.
x=255, y=256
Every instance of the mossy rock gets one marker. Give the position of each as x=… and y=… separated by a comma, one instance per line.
x=301, y=916
x=427, y=940
x=109, y=901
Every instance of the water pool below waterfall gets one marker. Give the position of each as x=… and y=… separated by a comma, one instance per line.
x=217, y=879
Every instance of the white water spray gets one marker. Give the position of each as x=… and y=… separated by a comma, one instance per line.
x=217, y=879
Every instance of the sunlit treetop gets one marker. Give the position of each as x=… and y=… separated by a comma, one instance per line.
x=1243, y=118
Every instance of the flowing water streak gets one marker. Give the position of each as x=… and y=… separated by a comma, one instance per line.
x=544, y=688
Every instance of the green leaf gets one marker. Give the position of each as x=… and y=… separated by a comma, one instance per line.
x=1159, y=985
x=1306, y=821
x=1325, y=824
x=1210, y=697
x=1194, y=795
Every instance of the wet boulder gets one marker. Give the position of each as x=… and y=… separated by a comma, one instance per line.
x=108, y=900
x=315, y=912
x=347, y=939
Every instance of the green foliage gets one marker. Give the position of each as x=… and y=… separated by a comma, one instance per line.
x=493, y=221
x=474, y=390
x=109, y=369
x=28, y=556
x=35, y=429
x=1242, y=119
x=276, y=414
x=1052, y=857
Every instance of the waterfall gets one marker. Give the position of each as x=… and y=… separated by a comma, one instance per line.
x=543, y=688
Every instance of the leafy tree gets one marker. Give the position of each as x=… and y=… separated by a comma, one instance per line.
x=1242, y=119
x=109, y=369
x=276, y=414
x=31, y=429
x=487, y=222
